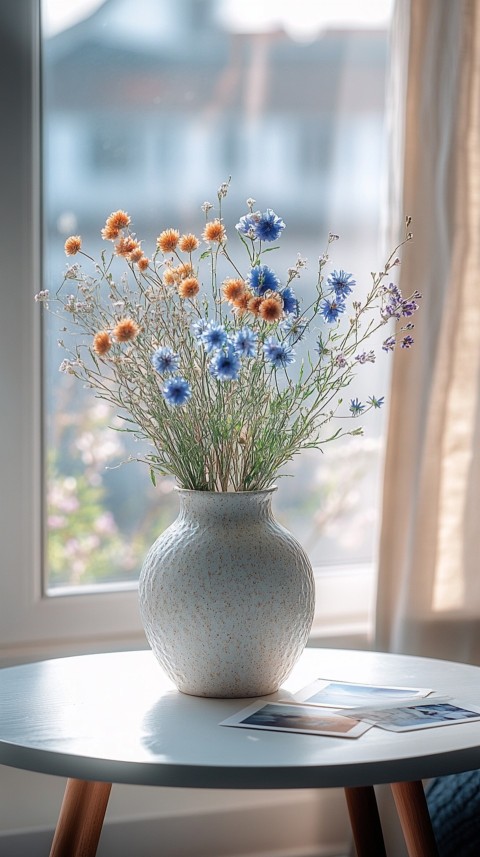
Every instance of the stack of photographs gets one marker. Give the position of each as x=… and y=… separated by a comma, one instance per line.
x=349, y=709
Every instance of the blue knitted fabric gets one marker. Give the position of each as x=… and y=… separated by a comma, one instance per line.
x=454, y=806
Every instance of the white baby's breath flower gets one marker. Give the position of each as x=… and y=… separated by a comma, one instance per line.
x=67, y=367
x=223, y=189
x=72, y=272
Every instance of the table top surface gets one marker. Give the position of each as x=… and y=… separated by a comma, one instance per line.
x=118, y=718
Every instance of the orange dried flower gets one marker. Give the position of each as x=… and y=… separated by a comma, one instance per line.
x=102, y=343
x=254, y=305
x=183, y=270
x=109, y=233
x=170, y=276
x=126, y=246
x=214, y=231
x=117, y=221
x=126, y=329
x=271, y=309
x=143, y=263
x=73, y=245
x=233, y=289
x=136, y=255
x=167, y=240
x=188, y=243
x=189, y=287
x=241, y=304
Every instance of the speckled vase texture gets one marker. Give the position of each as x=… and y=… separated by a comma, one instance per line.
x=227, y=596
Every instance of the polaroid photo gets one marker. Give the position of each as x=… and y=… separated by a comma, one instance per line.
x=422, y=716
x=345, y=694
x=281, y=717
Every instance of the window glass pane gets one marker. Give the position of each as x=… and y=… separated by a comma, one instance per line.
x=149, y=112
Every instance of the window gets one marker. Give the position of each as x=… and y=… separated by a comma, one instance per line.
x=151, y=114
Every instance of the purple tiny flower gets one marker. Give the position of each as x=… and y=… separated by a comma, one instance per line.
x=407, y=342
x=365, y=358
x=341, y=360
x=389, y=344
x=409, y=307
x=395, y=292
x=391, y=310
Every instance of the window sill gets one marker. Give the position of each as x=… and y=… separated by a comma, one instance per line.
x=344, y=618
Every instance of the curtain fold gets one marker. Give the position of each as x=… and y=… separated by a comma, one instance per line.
x=428, y=599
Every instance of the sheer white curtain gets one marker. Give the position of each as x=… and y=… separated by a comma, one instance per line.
x=428, y=600
x=429, y=581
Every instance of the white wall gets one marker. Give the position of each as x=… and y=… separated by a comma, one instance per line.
x=179, y=822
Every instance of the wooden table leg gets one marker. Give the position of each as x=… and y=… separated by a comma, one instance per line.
x=415, y=819
x=365, y=821
x=81, y=818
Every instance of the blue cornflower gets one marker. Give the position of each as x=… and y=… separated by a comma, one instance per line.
x=214, y=336
x=376, y=403
x=277, y=353
x=261, y=279
x=225, y=365
x=165, y=361
x=341, y=282
x=290, y=303
x=176, y=391
x=356, y=407
x=245, y=342
x=247, y=224
x=199, y=327
x=294, y=328
x=331, y=308
x=269, y=226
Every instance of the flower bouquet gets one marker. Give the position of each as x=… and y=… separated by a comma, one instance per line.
x=203, y=366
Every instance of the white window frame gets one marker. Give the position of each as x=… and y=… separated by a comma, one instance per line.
x=33, y=625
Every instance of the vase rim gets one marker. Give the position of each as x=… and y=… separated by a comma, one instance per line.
x=191, y=491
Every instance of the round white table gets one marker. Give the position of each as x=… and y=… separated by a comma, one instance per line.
x=116, y=718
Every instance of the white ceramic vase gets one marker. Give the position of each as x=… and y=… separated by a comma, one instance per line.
x=227, y=596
